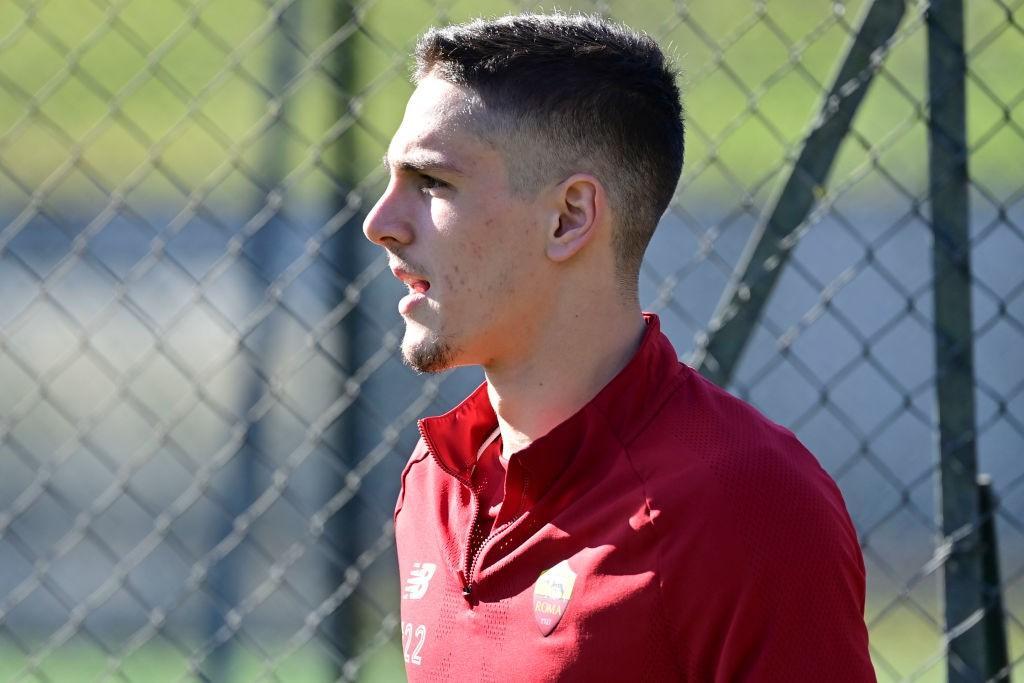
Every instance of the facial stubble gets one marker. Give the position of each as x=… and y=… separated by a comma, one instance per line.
x=430, y=354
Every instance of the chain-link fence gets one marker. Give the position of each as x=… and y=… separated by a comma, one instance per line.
x=202, y=413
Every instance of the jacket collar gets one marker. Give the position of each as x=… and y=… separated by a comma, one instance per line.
x=623, y=406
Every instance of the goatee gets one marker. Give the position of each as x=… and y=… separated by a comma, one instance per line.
x=428, y=355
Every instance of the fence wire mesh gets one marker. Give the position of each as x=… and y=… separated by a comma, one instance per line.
x=203, y=415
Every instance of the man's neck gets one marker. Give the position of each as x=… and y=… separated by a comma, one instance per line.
x=560, y=374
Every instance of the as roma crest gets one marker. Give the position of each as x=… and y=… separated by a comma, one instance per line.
x=551, y=594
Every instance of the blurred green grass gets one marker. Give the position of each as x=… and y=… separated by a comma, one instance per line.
x=122, y=87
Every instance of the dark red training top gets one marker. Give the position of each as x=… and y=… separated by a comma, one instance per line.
x=666, y=531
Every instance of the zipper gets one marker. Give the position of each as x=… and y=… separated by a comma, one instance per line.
x=466, y=576
x=471, y=555
x=471, y=558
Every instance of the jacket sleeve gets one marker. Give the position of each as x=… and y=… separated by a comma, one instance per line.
x=769, y=584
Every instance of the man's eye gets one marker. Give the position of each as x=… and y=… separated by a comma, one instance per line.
x=431, y=183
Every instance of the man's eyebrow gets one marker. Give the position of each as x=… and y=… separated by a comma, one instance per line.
x=420, y=164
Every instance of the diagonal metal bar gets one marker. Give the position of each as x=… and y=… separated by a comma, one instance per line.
x=771, y=243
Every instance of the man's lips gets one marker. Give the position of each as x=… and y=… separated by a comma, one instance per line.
x=415, y=282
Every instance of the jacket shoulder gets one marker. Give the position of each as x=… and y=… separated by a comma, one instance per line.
x=702, y=435
x=754, y=539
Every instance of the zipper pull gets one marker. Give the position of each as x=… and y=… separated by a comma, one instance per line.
x=467, y=587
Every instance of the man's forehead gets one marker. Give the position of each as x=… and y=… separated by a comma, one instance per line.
x=440, y=126
x=444, y=98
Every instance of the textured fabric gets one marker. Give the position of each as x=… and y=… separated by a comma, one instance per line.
x=681, y=536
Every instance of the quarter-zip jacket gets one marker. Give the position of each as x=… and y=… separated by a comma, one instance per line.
x=666, y=531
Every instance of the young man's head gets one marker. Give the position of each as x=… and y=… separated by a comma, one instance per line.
x=535, y=159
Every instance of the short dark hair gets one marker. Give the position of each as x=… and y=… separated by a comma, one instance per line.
x=595, y=96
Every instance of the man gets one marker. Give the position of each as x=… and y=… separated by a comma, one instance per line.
x=595, y=510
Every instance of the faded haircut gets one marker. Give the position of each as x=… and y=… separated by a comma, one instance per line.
x=573, y=93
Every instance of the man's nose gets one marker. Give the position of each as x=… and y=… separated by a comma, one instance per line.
x=387, y=222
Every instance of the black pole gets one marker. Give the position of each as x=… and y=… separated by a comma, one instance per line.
x=997, y=659
x=770, y=245
x=958, y=499
x=226, y=575
x=342, y=527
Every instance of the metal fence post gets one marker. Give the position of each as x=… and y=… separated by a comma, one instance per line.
x=771, y=243
x=997, y=658
x=226, y=575
x=342, y=528
x=958, y=504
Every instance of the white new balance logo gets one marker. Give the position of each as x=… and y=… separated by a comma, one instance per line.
x=419, y=579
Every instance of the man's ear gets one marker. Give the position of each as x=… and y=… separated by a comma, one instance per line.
x=581, y=207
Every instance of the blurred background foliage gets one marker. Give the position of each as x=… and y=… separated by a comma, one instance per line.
x=183, y=86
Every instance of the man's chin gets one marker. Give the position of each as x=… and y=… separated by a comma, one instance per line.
x=427, y=353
